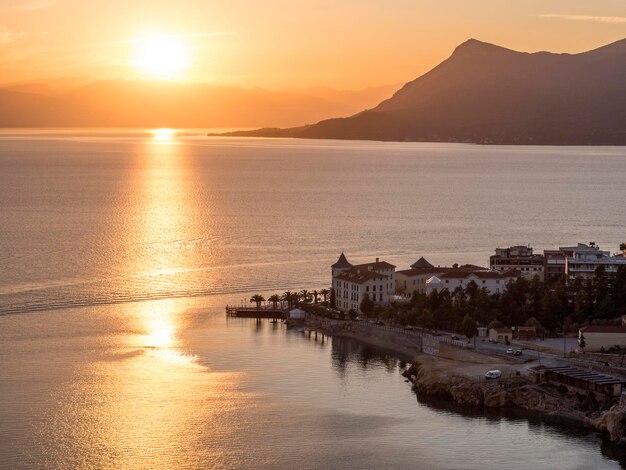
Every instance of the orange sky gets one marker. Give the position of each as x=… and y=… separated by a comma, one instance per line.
x=287, y=43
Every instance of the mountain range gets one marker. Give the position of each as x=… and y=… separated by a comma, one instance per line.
x=485, y=93
x=139, y=103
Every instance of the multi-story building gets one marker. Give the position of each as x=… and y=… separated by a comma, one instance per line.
x=352, y=282
x=493, y=281
x=584, y=262
x=413, y=280
x=520, y=258
x=554, y=264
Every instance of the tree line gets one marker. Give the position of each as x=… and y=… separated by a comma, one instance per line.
x=552, y=306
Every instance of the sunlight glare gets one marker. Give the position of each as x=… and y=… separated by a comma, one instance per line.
x=161, y=56
x=163, y=135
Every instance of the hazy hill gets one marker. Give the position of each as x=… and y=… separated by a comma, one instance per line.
x=137, y=103
x=488, y=94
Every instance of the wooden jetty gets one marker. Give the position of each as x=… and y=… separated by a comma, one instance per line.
x=253, y=312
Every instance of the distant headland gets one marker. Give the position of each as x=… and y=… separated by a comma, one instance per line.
x=487, y=94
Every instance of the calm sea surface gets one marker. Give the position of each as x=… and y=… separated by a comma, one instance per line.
x=148, y=236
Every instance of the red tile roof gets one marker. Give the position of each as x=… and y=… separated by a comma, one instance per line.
x=503, y=329
x=603, y=329
x=359, y=276
x=376, y=266
x=468, y=268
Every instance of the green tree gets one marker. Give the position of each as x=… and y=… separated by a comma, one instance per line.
x=469, y=326
x=274, y=299
x=472, y=290
x=426, y=319
x=333, y=298
x=315, y=295
x=618, y=292
x=600, y=285
x=324, y=293
x=305, y=296
x=290, y=298
x=257, y=299
x=367, y=306
x=581, y=342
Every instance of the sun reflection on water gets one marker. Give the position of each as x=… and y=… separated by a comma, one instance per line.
x=163, y=134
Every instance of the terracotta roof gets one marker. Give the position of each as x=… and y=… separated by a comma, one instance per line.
x=342, y=262
x=377, y=265
x=463, y=274
x=359, y=276
x=502, y=329
x=422, y=263
x=419, y=271
x=603, y=329
x=467, y=268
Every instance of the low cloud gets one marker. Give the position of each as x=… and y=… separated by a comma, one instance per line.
x=595, y=19
x=8, y=36
x=31, y=5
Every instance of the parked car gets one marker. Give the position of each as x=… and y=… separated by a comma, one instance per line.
x=509, y=351
x=408, y=327
x=493, y=374
x=517, y=352
x=455, y=337
x=379, y=323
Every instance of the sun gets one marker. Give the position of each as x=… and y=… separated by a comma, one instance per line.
x=161, y=56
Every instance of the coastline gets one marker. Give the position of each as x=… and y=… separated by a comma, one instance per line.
x=451, y=378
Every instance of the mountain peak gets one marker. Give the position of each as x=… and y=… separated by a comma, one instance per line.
x=474, y=46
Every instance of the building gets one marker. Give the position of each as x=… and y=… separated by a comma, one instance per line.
x=493, y=281
x=584, y=261
x=413, y=280
x=526, y=333
x=599, y=337
x=555, y=260
x=352, y=282
x=520, y=258
x=500, y=334
x=554, y=263
x=586, y=380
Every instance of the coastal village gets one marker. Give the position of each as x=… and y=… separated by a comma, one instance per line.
x=379, y=282
x=538, y=331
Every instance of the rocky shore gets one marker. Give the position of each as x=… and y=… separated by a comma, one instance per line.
x=457, y=375
x=518, y=393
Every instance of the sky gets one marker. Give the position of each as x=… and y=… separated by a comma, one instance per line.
x=276, y=44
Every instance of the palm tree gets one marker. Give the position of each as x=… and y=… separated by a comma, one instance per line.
x=288, y=297
x=315, y=295
x=274, y=299
x=257, y=299
x=305, y=295
x=324, y=293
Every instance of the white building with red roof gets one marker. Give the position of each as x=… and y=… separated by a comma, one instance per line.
x=352, y=282
x=493, y=281
x=413, y=280
x=602, y=336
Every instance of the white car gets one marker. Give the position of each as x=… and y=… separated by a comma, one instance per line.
x=493, y=374
x=509, y=351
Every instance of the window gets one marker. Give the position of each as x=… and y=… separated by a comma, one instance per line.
x=483, y=281
x=374, y=288
x=367, y=288
x=447, y=281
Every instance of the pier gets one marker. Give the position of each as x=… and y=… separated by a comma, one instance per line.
x=253, y=312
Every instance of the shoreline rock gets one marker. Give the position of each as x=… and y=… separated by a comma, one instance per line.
x=431, y=378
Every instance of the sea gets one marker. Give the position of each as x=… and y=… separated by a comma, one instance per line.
x=119, y=251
